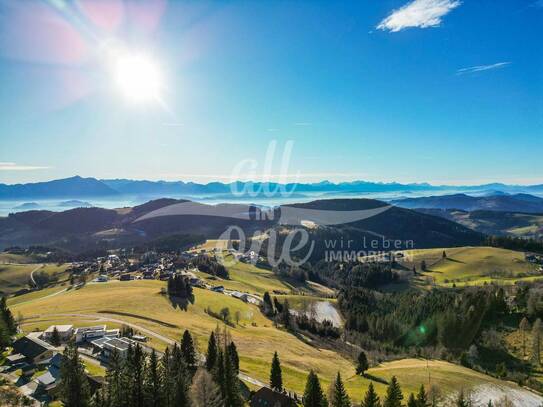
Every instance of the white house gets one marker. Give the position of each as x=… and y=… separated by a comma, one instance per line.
x=65, y=332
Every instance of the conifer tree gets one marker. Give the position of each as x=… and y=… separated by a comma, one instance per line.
x=267, y=304
x=152, y=382
x=55, y=337
x=276, y=376
x=167, y=378
x=233, y=352
x=422, y=397
x=338, y=396
x=7, y=317
x=411, y=402
x=188, y=351
x=362, y=364
x=371, y=399
x=394, y=394
x=313, y=394
x=73, y=385
x=113, y=380
x=211, y=356
x=232, y=395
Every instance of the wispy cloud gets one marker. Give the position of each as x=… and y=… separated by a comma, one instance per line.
x=303, y=124
x=16, y=167
x=481, y=68
x=418, y=13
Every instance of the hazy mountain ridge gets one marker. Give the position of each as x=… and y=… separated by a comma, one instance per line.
x=78, y=187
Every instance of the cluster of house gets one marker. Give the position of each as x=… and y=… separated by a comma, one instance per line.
x=36, y=353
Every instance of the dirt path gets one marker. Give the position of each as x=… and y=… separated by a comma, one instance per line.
x=39, y=266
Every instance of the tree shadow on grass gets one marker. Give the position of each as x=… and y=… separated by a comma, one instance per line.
x=181, y=302
x=374, y=378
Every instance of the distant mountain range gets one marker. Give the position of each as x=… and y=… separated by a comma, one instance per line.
x=78, y=187
x=502, y=202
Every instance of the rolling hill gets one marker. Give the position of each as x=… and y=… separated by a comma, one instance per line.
x=502, y=202
x=517, y=224
x=78, y=228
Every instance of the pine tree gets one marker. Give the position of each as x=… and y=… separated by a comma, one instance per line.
x=267, y=304
x=394, y=394
x=211, y=356
x=187, y=349
x=371, y=399
x=285, y=315
x=276, y=376
x=152, y=382
x=218, y=372
x=313, y=395
x=362, y=364
x=7, y=317
x=411, y=402
x=55, y=337
x=338, y=396
x=204, y=392
x=167, y=379
x=73, y=385
x=113, y=380
x=422, y=397
x=233, y=352
x=232, y=395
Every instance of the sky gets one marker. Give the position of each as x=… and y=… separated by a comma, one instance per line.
x=438, y=91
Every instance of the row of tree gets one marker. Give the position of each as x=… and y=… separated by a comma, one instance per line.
x=8, y=327
x=142, y=379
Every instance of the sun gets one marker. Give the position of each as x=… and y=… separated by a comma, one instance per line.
x=137, y=77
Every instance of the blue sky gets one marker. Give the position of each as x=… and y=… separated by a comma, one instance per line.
x=440, y=91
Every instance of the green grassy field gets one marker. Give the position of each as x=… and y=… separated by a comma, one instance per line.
x=472, y=266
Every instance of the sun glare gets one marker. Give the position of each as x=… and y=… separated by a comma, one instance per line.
x=138, y=78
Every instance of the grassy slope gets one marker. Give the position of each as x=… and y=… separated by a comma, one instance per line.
x=473, y=265
x=256, y=343
x=14, y=277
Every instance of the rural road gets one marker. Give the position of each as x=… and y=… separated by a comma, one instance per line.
x=32, y=274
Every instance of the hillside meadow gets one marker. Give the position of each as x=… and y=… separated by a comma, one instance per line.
x=141, y=303
x=471, y=266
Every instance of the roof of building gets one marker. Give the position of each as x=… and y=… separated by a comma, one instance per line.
x=120, y=344
x=46, y=379
x=86, y=329
x=16, y=357
x=268, y=398
x=31, y=347
x=60, y=328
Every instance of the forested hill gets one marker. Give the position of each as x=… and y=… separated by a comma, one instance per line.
x=127, y=226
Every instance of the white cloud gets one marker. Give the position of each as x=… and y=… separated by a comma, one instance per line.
x=480, y=68
x=418, y=13
x=17, y=167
